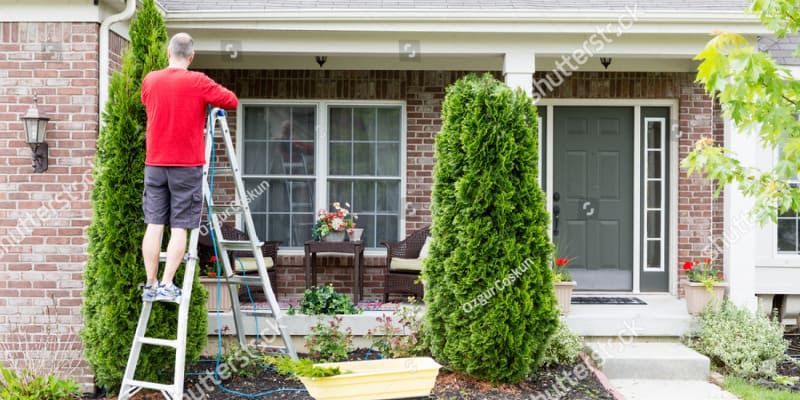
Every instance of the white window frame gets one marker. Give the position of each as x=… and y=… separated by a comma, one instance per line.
x=321, y=175
x=662, y=237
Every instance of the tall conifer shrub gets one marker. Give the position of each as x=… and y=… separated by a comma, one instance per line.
x=491, y=306
x=115, y=269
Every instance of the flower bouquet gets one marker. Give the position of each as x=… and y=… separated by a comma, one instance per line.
x=340, y=220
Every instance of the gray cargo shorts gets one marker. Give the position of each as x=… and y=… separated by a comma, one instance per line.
x=173, y=196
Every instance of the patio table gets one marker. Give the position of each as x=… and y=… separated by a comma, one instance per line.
x=356, y=248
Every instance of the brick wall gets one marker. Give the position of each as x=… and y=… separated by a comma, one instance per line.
x=43, y=217
x=423, y=92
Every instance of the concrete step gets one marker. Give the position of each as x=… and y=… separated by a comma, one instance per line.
x=620, y=359
x=642, y=389
x=663, y=316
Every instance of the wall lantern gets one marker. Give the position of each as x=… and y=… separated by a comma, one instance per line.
x=606, y=61
x=35, y=127
x=321, y=60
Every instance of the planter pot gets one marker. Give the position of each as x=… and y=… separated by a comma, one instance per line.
x=564, y=295
x=224, y=298
x=334, y=237
x=376, y=380
x=697, y=296
x=356, y=235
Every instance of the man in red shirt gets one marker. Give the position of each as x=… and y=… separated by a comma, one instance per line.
x=175, y=100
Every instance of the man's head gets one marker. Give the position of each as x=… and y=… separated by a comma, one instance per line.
x=181, y=50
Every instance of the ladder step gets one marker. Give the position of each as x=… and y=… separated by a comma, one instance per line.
x=150, y=385
x=242, y=245
x=229, y=209
x=223, y=171
x=249, y=280
x=272, y=349
x=259, y=312
x=159, y=342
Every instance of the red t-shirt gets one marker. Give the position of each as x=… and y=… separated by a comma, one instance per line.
x=176, y=100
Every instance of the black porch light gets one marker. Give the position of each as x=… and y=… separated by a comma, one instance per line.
x=35, y=127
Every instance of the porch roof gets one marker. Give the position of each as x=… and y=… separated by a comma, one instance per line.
x=683, y=5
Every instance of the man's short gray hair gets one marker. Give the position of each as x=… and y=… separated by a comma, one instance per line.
x=181, y=46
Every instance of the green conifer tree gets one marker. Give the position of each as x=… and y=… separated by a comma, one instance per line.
x=491, y=306
x=115, y=269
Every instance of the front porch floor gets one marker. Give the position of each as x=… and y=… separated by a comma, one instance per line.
x=663, y=316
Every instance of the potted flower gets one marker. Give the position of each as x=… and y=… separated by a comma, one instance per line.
x=705, y=284
x=331, y=226
x=563, y=284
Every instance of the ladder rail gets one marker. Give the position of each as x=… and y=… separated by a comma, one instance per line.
x=130, y=385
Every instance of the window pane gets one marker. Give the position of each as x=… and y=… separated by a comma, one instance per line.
x=254, y=158
x=389, y=124
x=388, y=159
x=340, y=123
x=257, y=191
x=654, y=194
x=339, y=191
x=277, y=224
x=367, y=222
x=654, y=164
x=388, y=196
x=364, y=124
x=364, y=159
x=340, y=159
x=364, y=196
x=260, y=224
x=653, y=254
x=654, y=224
x=255, y=127
x=787, y=235
x=386, y=228
x=654, y=135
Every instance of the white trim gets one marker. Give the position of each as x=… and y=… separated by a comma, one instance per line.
x=637, y=198
x=672, y=260
x=321, y=150
x=472, y=20
x=636, y=104
x=662, y=180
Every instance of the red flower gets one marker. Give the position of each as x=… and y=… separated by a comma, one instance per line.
x=560, y=262
x=688, y=265
x=212, y=259
x=708, y=261
x=212, y=274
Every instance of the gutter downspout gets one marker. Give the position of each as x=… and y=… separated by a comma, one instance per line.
x=105, y=28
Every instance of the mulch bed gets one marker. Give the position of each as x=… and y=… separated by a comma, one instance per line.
x=563, y=382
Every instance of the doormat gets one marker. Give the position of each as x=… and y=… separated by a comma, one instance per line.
x=607, y=300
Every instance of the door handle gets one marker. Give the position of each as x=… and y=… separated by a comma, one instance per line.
x=587, y=204
x=556, y=212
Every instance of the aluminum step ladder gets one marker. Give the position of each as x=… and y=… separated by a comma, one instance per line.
x=272, y=314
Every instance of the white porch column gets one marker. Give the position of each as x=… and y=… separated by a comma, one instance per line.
x=741, y=233
x=518, y=68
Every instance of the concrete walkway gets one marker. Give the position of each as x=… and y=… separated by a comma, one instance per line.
x=656, y=370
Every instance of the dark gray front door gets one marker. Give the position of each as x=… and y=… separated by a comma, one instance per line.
x=593, y=181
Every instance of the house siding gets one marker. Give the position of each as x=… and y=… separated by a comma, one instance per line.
x=43, y=217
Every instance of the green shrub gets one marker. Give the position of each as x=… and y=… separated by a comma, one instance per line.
x=741, y=342
x=491, y=306
x=114, y=271
x=328, y=342
x=562, y=348
x=25, y=386
x=302, y=367
x=324, y=300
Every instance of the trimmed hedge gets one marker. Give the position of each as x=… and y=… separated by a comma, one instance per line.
x=491, y=306
x=115, y=269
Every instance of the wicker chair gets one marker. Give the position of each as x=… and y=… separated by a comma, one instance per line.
x=269, y=250
x=400, y=278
